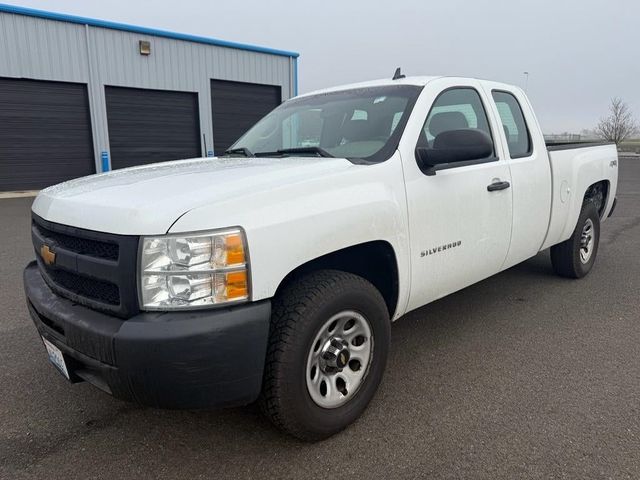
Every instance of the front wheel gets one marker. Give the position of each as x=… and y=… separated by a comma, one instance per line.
x=575, y=257
x=327, y=352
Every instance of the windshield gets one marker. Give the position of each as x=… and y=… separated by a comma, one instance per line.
x=361, y=124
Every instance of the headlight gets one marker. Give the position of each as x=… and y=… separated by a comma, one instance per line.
x=186, y=271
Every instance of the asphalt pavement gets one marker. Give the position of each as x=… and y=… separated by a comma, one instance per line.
x=524, y=375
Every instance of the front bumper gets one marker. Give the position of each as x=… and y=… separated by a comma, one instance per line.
x=194, y=359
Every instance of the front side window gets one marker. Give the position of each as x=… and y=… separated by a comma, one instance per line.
x=455, y=109
x=514, y=124
x=355, y=124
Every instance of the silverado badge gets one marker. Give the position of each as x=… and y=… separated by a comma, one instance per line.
x=440, y=248
x=48, y=257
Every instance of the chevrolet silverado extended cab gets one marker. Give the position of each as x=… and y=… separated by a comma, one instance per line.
x=272, y=273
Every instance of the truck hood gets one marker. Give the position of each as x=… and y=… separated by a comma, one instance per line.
x=147, y=200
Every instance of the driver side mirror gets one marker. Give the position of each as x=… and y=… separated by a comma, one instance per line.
x=454, y=146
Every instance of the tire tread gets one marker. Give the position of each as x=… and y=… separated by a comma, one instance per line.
x=564, y=257
x=288, y=313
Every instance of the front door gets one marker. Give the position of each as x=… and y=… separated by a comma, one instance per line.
x=460, y=229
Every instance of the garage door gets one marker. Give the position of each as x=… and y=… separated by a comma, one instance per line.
x=237, y=106
x=45, y=133
x=147, y=126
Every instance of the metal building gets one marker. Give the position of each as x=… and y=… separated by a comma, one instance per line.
x=79, y=96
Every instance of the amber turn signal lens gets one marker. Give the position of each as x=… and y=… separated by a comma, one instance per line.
x=237, y=285
x=235, y=249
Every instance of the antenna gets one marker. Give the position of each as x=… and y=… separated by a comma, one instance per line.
x=398, y=75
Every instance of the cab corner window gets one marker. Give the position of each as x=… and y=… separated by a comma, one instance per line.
x=513, y=124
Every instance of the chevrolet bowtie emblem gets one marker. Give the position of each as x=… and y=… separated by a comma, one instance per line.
x=47, y=255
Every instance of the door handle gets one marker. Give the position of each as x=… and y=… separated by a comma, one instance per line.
x=495, y=186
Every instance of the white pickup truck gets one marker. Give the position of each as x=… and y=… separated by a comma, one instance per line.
x=273, y=273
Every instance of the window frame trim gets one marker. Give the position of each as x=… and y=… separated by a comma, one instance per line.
x=448, y=166
x=531, y=150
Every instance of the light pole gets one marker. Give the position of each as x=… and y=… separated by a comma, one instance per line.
x=526, y=81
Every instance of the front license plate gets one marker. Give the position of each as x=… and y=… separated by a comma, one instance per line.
x=56, y=357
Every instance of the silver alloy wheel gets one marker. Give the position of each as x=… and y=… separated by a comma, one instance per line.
x=339, y=359
x=586, y=241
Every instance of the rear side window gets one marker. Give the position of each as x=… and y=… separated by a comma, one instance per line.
x=514, y=124
x=455, y=109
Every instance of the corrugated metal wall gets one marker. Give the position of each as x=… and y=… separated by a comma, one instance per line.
x=45, y=49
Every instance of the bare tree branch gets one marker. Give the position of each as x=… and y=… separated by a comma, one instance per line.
x=619, y=124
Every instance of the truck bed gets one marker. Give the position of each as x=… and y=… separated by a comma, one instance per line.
x=575, y=167
x=556, y=145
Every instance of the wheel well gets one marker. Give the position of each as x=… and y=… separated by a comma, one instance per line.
x=374, y=261
x=598, y=193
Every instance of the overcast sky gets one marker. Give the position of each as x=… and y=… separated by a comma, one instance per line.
x=579, y=53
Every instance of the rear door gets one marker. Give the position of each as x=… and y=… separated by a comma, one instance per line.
x=530, y=171
x=460, y=231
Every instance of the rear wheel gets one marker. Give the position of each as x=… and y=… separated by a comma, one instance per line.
x=575, y=257
x=327, y=352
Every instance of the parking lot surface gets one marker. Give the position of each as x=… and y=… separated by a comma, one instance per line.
x=524, y=375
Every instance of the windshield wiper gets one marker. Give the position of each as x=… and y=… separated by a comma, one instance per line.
x=319, y=152
x=242, y=151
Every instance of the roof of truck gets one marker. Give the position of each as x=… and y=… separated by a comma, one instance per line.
x=420, y=81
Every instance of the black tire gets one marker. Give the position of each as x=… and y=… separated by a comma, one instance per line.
x=298, y=314
x=565, y=257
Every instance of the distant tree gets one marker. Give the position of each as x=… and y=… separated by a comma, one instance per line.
x=619, y=124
